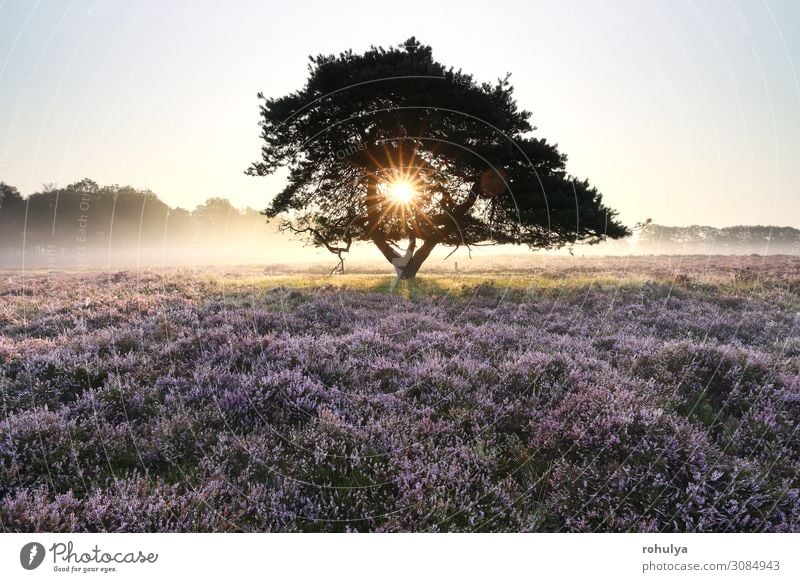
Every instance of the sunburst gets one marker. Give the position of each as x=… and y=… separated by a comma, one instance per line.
x=402, y=191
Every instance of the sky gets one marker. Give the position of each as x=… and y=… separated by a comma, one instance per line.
x=683, y=111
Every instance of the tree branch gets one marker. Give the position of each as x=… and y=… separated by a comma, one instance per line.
x=339, y=251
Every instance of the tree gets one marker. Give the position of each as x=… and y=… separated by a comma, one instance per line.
x=12, y=214
x=8, y=193
x=216, y=214
x=391, y=145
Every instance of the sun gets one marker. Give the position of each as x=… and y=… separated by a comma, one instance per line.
x=401, y=191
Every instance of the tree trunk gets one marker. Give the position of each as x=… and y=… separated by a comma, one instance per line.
x=419, y=257
x=407, y=269
x=408, y=273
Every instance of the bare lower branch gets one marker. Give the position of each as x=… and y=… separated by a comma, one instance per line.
x=319, y=239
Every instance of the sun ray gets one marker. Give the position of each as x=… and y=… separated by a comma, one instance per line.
x=401, y=191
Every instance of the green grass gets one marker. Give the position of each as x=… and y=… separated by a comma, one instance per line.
x=426, y=285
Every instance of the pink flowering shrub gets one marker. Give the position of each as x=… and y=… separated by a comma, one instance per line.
x=146, y=403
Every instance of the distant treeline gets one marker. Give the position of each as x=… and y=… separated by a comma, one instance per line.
x=729, y=240
x=84, y=223
x=85, y=220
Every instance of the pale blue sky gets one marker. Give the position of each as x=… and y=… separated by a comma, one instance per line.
x=683, y=111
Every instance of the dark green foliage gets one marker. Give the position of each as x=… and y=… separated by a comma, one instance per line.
x=363, y=120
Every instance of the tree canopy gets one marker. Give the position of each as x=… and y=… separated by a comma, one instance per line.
x=460, y=153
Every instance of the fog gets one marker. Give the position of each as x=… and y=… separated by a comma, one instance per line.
x=87, y=226
x=280, y=253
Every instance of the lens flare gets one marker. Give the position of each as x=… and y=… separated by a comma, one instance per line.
x=401, y=191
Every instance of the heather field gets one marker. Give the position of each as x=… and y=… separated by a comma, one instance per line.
x=572, y=394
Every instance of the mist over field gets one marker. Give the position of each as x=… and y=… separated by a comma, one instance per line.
x=84, y=225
